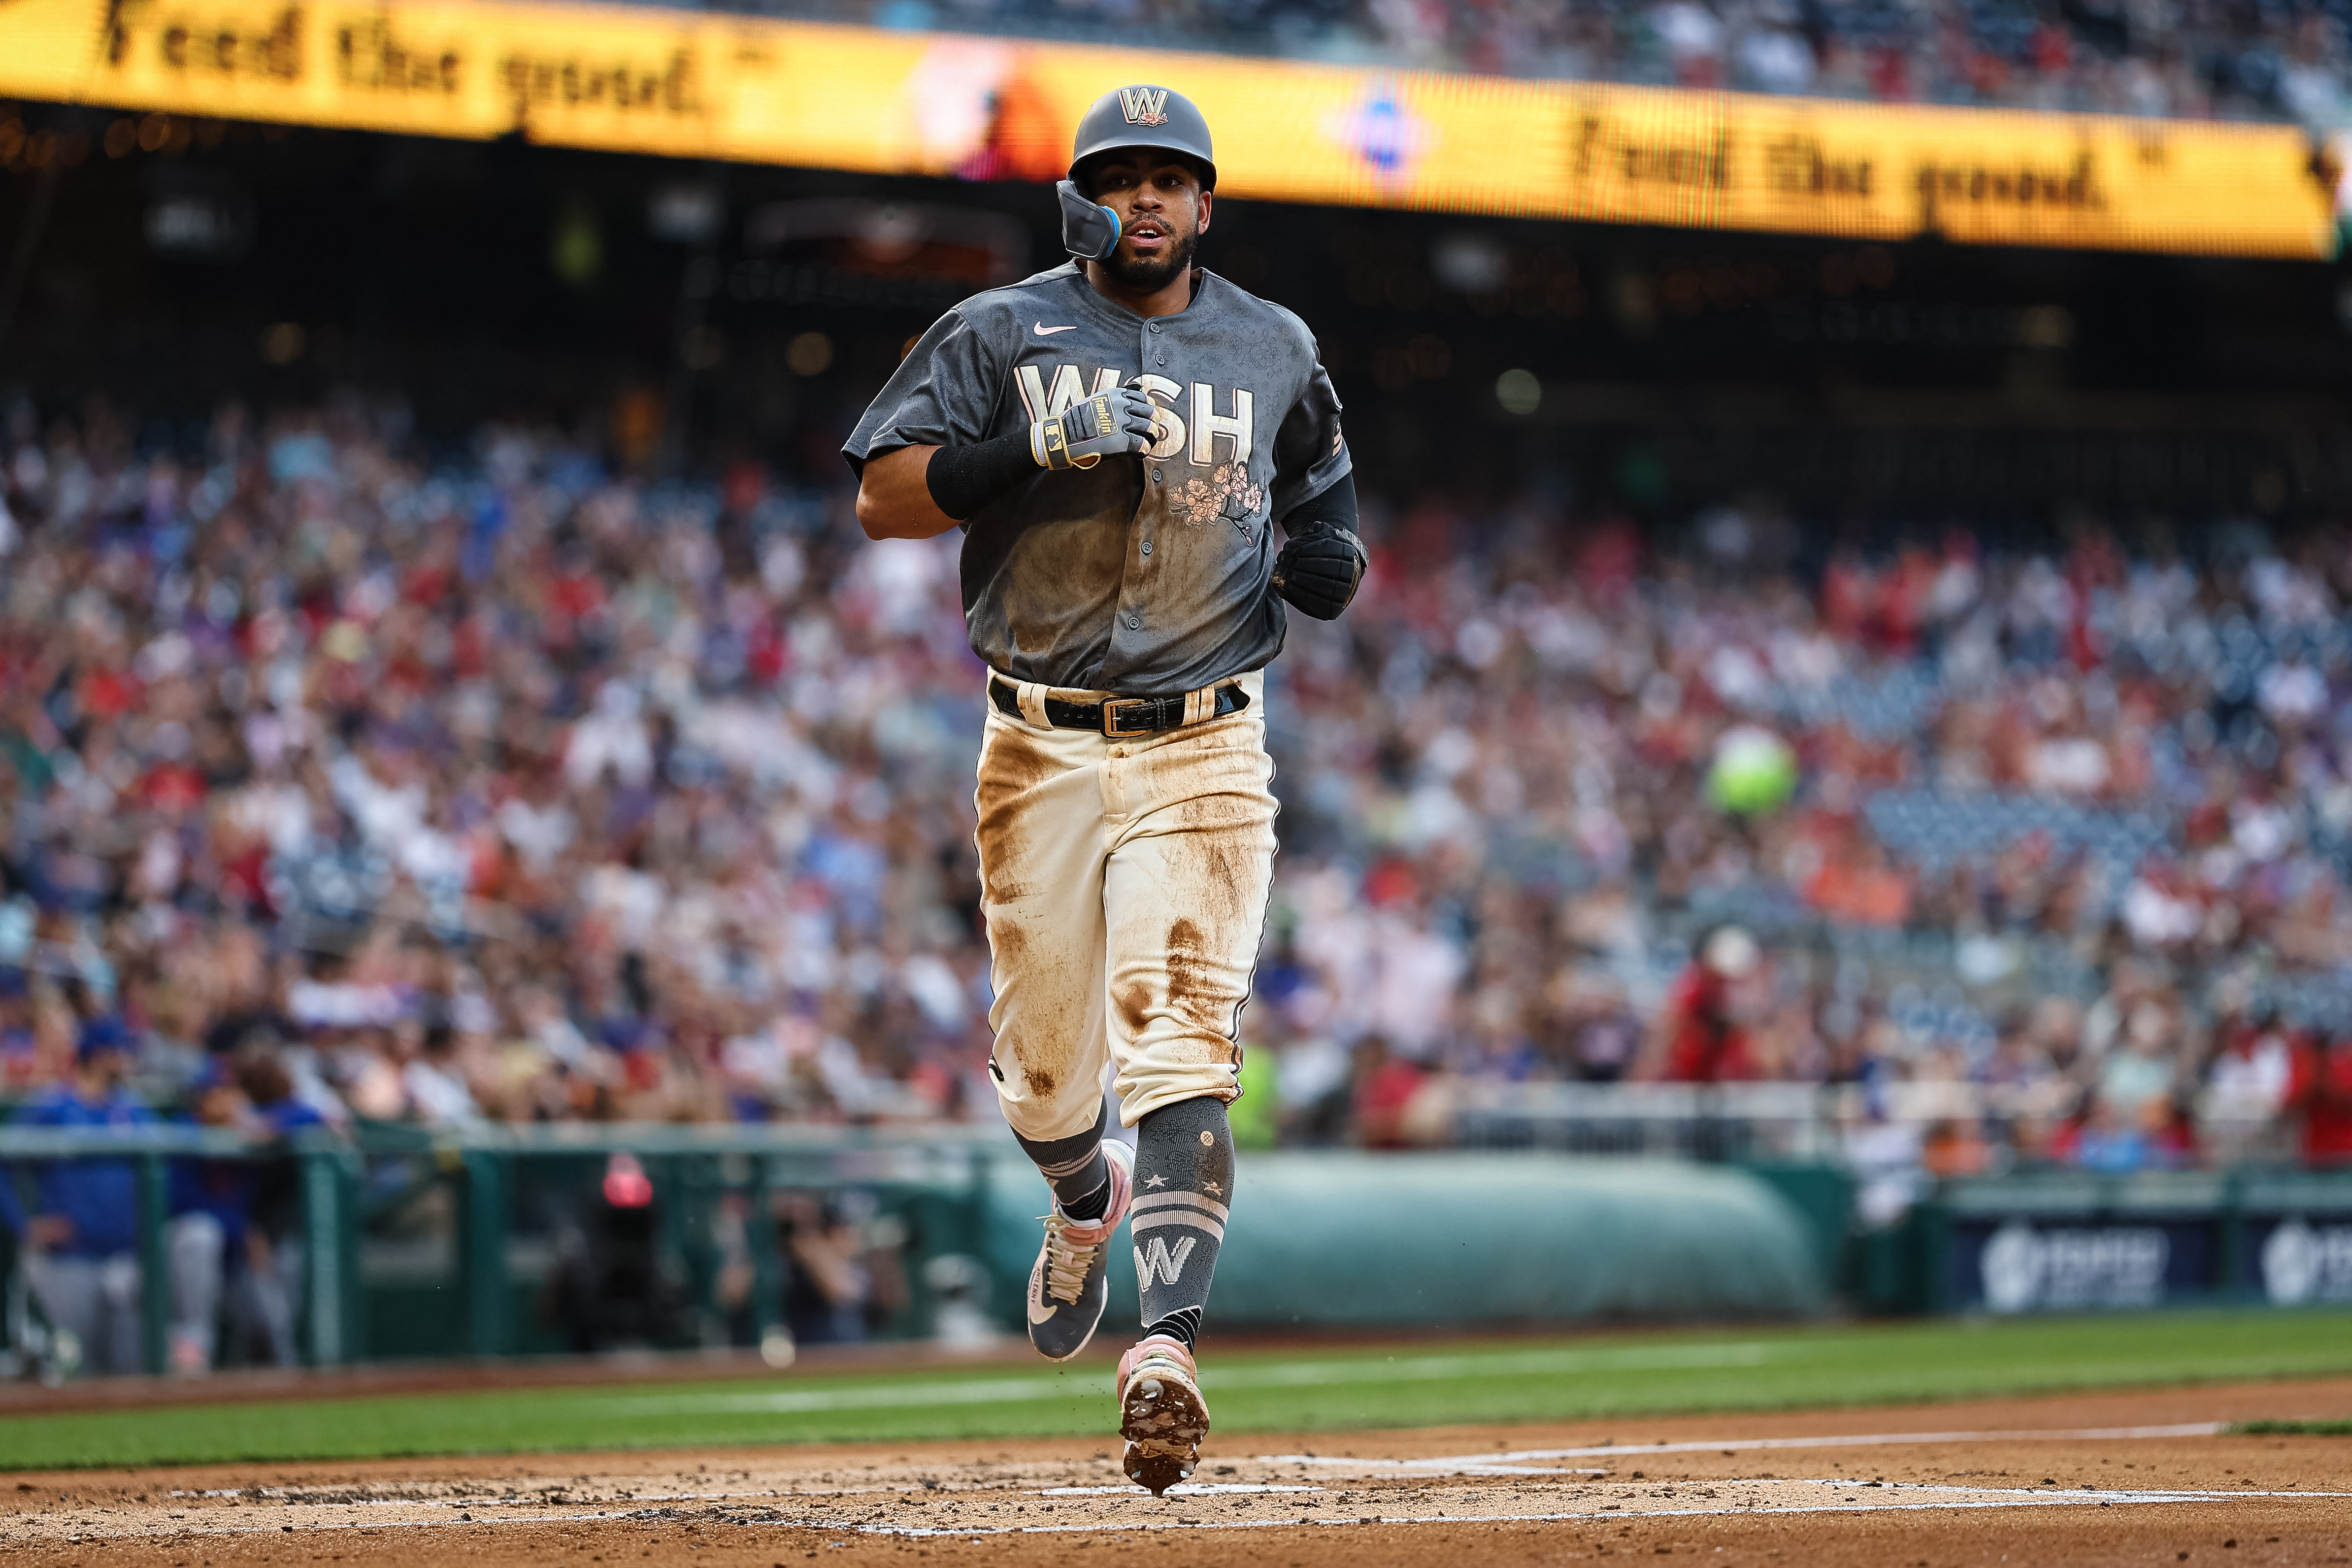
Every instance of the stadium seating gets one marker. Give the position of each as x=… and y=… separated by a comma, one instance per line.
x=497, y=784
x=2193, y=61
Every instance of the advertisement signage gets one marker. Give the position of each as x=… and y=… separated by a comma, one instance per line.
x=763, y=90
x=2043, y=1264
x=2301, y=1260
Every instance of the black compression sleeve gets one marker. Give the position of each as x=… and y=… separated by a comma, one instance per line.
x=963, y=479
x=1334, y=504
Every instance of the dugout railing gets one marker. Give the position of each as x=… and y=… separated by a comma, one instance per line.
x=1811, y=1122
x=421, y=1244
x=439, y=1243
x=1797, y=1121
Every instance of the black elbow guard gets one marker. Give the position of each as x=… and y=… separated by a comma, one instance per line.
x=1323, y=564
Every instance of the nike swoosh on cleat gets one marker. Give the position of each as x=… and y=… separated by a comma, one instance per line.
x=1042, y=330
x=1036, y=1292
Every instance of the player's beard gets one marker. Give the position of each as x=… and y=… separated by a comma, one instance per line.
x=1148, y=277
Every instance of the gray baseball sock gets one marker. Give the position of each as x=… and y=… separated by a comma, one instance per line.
x=1075, y=1168
x=1183, y=1184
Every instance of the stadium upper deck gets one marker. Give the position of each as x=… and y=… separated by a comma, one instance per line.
x=2182, y=59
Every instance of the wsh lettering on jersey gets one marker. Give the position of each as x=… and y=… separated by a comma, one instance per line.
x=1188, y=423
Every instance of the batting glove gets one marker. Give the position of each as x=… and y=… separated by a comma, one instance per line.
x=1110, y=423
x=1320, y=568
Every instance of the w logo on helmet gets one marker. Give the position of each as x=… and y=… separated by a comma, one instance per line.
x=1144, y=105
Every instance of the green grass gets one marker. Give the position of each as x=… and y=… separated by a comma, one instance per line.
x=2292, y=1428
x=1597, y=1375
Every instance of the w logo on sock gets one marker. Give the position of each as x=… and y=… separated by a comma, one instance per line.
x=1157, y=1258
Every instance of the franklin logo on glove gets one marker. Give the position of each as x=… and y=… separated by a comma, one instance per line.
x=1115, y=421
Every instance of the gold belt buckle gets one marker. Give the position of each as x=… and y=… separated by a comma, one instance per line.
x=1110, y=708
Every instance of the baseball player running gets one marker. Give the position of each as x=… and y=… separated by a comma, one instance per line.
x=1117, y=437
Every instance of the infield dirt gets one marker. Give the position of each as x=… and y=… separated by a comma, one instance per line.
x=2116, y=1478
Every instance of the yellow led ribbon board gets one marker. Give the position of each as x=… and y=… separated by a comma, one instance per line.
x=762, y=91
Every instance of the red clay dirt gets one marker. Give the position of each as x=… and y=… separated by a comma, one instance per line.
x=2077, y=1479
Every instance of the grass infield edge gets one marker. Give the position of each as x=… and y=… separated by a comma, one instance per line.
x=2050, y=1382
x=2335, y=1428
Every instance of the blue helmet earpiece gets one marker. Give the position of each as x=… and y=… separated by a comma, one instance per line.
x=1089, y=230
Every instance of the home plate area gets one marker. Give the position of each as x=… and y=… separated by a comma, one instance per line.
x=1767, y=1489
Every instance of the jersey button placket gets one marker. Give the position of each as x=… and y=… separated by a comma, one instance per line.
x=1153, y=354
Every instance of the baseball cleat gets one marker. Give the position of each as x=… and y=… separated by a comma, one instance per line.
x=1070, y=1282
x=1162, y=1414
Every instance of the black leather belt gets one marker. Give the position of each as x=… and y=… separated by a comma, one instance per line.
x=1117, y=715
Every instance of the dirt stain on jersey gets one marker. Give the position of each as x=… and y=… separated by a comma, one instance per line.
x=1011, y=766
x=1219, y=853
x=1047, y=1015
x=1198, y=991
x=1134, y=1008
x=1008, y=943
x=1061, y=579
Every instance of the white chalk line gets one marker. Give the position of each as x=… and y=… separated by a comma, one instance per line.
x=299, y=1499
x=1520, y=1461
x=1285, y=1374
x=2022, y=1500
x=296, y=1499
x=1181, y=1488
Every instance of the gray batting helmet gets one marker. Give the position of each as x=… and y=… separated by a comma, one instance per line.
x=1144, y=117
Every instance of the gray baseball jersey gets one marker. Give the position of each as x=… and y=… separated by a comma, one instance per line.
x=1145, y=575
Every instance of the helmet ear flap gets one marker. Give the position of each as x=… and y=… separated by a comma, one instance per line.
x=1089, y=230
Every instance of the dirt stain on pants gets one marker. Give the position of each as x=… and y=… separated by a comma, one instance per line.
x=1125, y=886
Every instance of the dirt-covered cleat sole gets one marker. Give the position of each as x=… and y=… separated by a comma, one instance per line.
x=1162, y=1414
x=1157, y=1463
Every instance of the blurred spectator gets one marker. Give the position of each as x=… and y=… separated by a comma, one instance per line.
x=1702, y=1034
x=608, y=1288
x=1955, y=1147
x=233, y=1240
x=211, y=1204
x=843, y=1271
x=1385, y=1085
x=265, y=1275
x=82, y=1257
x=2321, y=1092
x=1256, y=1116
x=437, y=1085
x=1603, y=1035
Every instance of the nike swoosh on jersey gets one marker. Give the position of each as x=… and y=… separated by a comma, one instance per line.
x=1042, y=330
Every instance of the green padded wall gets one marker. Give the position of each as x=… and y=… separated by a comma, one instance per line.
x=1425, y=1240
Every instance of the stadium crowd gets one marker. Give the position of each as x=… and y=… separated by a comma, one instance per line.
x=2194, y=59
x=340, y=784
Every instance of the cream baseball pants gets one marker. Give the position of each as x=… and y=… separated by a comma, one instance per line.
x=1125, y=885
